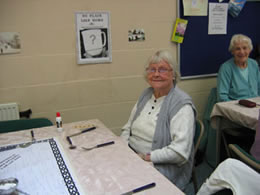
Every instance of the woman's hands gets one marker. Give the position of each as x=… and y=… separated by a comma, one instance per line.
x=146, y=157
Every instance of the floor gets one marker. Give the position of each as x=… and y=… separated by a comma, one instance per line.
x=203, y=171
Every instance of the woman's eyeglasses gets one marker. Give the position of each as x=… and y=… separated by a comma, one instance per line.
x=160, y=70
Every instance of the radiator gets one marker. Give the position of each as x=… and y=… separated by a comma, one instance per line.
x=9, y=111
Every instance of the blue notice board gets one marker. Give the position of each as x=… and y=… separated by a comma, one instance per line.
x=201, y=54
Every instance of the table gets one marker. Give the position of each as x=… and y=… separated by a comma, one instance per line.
x=236, y=113
x=113, y=169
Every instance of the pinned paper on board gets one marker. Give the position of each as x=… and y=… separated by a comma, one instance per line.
x=195, y=7
x=235, y=7
x=217, y=18
x=179, y=30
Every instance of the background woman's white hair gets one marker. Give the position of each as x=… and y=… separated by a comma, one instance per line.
x=240, y=38
x=164, y=55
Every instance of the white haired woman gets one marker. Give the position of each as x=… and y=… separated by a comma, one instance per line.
x=162, y=123
x=239, y=78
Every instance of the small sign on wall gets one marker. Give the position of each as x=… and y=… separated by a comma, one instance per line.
x=9, y=42
x=93, y=37
x=136, y=35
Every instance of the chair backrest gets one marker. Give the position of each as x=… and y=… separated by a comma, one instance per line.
x=209, y=138
x=199, y=131
x=21, y=124
x=198, y=134
x=255, y=149
x=240, y=154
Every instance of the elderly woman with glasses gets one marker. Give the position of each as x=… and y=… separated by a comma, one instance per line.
x=162, y=123
x=239, y=78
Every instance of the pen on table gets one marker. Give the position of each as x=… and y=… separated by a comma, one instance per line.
x=140, y=189
x=99, y=145
x=32, y=134
x=83, y=131
x=70, y=142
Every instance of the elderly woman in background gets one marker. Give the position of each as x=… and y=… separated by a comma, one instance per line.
x=239, y=78
x=162, y=123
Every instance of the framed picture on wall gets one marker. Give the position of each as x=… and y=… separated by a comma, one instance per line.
x=93, y=37
x=10, y=42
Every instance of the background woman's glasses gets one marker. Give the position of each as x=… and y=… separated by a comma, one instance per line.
x=160, y=70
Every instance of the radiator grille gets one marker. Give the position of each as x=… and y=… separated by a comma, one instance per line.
x=9, y=111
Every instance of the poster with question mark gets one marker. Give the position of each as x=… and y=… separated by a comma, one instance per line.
x=93, y=37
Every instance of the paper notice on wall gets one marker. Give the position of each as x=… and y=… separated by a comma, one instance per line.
x=93, y=37
x=217, y=18
x=195, y=7
x=179, y=30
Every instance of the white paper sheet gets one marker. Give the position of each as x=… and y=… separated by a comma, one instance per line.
x=40, y=168
x=218, y=18
x=195, y=7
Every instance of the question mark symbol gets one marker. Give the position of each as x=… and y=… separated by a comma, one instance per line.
x=93, y=37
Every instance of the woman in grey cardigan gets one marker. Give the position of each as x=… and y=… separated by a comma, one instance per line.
x=162, y=123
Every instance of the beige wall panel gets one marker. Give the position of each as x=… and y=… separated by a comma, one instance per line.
x=16, y=72
x=117, y=114
x=199, y=90
x=34, y=70
x=200, y=100
x=140, y=11
x=58, y=40
x=35, y=13
x=117, y=90
x=47, y=98
x=92, y=71
x=113, y=115
x=198, y=85
x=129, y=63
x=127, y=89
x=76, y=114
x=70, y=95
x=9, y=95
x=95, y=92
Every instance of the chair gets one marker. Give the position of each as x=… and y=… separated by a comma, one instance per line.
x=240, y=154
x=208, y=142
x=237, y=134
x=199, y=131
x=21, y=124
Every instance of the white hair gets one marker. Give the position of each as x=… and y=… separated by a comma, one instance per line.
x=164, y=55
x=237, y=38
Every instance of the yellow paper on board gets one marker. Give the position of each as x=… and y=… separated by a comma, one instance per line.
x=179, y=30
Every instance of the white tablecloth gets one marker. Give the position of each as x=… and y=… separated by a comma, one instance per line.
x=40, y=167
x=236, y=113
x=113, y=169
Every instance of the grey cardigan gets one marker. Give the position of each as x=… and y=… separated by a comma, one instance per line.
x=173, y=102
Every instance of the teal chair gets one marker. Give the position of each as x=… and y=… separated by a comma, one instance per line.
x=240, y=154
x=206, y=152
x=209, y=139
x=199, y=131
x=22, y=124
